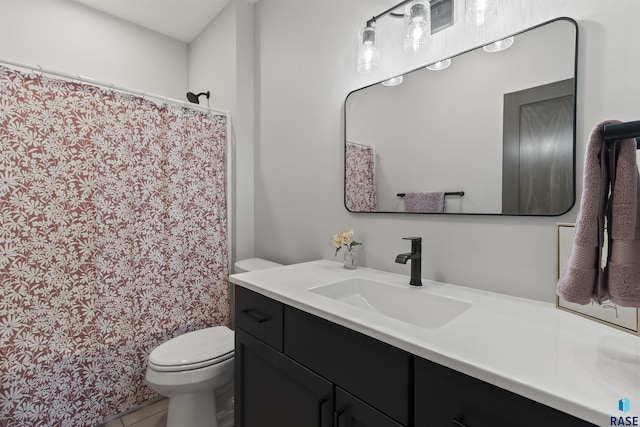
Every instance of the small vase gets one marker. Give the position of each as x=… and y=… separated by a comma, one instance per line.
x=350, y=259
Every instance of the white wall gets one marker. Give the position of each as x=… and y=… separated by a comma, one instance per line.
x=306, y=66
x=212, y=60
x=244, y=124
x=221, y=61
x=65, y=36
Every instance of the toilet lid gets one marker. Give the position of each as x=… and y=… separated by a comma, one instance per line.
x=193, y=350
x=254, y=264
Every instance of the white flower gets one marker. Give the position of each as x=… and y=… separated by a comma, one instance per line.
x=343, y=238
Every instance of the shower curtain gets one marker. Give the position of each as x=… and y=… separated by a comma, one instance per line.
x=113, y=239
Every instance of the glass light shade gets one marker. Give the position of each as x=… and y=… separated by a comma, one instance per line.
x=368, y=52
x=440, y=65
x=417, y=24
x=499, y=45
x=480, y=11
x=394, y=81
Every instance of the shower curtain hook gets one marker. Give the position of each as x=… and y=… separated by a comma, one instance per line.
x=40, y=69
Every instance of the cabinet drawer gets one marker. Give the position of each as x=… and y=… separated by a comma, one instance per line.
x=371, y=370
x=444, y=397
x=262, y=317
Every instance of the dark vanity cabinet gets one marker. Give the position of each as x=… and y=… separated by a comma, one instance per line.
x=294, y=369
x=367, y=373
x=270, y=388
x=444, y=397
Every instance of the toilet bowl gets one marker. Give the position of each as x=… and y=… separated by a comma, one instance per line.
x=195, y=371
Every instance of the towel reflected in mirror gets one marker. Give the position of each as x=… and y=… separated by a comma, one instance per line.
x=430, y=202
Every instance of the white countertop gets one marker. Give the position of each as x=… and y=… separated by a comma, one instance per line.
x=529, y=347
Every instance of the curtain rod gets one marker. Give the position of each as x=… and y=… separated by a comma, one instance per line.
x=111, y=86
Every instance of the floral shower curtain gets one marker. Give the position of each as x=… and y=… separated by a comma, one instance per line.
x=360, y=180
x=112, y=240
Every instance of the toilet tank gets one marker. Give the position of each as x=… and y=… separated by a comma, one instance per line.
x=253, y=264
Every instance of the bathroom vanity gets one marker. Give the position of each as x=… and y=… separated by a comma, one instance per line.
x=320, y=345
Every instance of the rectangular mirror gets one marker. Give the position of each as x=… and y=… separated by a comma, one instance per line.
x=494, y=133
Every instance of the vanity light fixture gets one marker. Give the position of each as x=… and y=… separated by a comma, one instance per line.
x=393, y=81
x=440, y=65
x=499, y=45
x=421, y=18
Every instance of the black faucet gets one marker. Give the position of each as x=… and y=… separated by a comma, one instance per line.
x=416, y=260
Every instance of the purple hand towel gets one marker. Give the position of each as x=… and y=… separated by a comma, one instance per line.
x=609, y=199
x=623, y=266
x=424, y=202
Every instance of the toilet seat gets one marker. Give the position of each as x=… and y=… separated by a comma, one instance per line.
x=193, y=350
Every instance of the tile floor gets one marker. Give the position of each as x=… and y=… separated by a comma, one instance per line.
x=153, y=415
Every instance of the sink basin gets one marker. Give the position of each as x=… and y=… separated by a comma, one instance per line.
x=405, y=304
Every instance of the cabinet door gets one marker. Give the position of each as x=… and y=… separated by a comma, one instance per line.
x=373, y=371
x=353, y=412
x=444, y=397
x=273, y=390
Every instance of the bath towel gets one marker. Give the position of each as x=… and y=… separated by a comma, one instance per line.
x=623, y=266
x=424, y=202
x=609, y=203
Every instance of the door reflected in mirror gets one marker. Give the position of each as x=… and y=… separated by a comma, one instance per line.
x=493, y=133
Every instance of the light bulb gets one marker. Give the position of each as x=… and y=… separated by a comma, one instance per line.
x=394, y=81
x=440, y=65
x=499, y=45
x=481, y=10
x=416, y=25
x=368, y=52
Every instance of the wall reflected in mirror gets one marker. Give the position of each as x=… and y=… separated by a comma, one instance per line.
x=493, y=133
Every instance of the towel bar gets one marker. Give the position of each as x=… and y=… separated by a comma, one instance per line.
x=623, y=131
x=448, y=193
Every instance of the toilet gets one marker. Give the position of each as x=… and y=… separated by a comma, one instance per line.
x=195, y=370
x=254, y=264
